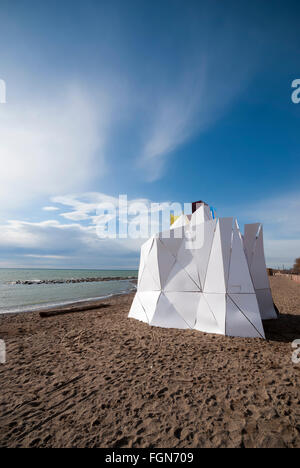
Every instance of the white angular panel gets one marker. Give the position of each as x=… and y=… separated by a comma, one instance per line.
x=149, y=299
x=249, y=240
x=247, y=303
x=147, y=282
x=201, y=215
x=226, y=241
x=166, y=315
x=239, y=276
x=173, y=243
x=186, y=304
x=237, y=323
x=206, y=321
x=258, y=267
x=152, y=263
x=178, y=280
x=145, y=249
x=141, y=268
x=176, y=246
x=198, y=217
x=215, y=279
x=147, y=246
x=165, y=262
x=185, y=258
x=202, y=248
x=136, y=311
x=217, y=305
x=266, y=305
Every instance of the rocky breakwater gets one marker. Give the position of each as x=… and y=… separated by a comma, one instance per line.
x=133, y=279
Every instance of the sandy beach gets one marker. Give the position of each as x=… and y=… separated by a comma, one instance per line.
x=98, y=379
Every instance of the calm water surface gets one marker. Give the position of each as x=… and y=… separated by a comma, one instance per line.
x=19, y=298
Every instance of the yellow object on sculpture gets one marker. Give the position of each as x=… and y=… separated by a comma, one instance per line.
x=173, y=218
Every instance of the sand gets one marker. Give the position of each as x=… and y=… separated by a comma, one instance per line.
x=98, y=379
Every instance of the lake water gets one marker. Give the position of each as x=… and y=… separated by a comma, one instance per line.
x=20, y=297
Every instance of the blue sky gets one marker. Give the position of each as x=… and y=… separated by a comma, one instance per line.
x=164, y=101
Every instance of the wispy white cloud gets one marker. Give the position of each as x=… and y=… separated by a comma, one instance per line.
x=86, y=207
x=47, y=257
x=50, y=208
x=82, y=206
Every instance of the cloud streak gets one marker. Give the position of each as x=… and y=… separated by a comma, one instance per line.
x=215, y=67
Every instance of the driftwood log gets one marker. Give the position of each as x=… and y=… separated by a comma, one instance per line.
x=71, y=310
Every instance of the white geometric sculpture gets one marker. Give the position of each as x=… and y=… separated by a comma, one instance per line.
x=203, y=274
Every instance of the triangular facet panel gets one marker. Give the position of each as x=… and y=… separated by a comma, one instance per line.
x=198, y=217
x=145, y=249
x=226, y=240
x=165, y=262
x=173, y=243
x=186, y=304
x=179, y=280
x=185, y=258
x=202, y=246
x=258, y=267
x=147, y=246
x=141, y=268
x=237, y=324
x=217, y=305
x=152, y=263
x=239, y=276
x=249, y=240
x=166, y=315
x=206, y=321
x=147, y=282
x=137, y=311
x=215, y=279
x=201, y=215
x=266, y=304
x=247, y=304
x=149, y=299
